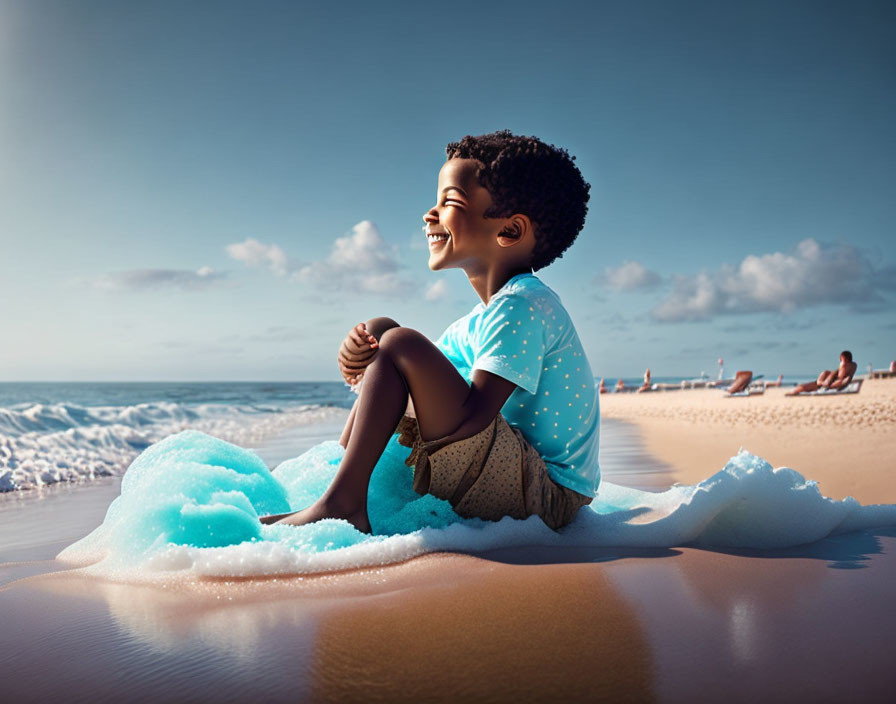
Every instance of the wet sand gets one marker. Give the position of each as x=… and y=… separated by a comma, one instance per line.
x=676, y=625
x=805, y=624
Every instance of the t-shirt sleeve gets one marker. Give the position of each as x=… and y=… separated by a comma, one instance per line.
x=448, y=344
x=510, y=342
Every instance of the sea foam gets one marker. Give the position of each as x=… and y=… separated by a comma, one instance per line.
x=189, y=506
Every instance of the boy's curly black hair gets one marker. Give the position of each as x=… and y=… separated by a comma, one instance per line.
x=525, y=175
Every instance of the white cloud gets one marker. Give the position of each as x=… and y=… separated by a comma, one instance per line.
x=629, y=276
x=362, y=261
x=814, y=274
x=257, y=254
x=436, y=291
x=143, y=279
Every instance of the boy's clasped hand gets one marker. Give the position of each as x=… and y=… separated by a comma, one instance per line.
x=355, y=353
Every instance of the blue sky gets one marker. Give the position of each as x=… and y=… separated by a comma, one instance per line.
x=218, y=190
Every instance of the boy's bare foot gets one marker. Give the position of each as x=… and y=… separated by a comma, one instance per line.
x=318, y=511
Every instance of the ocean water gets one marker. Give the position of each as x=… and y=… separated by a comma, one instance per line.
x=189, y=508
x=63, y=432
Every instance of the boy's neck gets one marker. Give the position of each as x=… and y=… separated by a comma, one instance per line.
x=488, y=283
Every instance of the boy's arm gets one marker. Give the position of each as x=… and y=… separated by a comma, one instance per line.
x=488, y=394
x=359, y=347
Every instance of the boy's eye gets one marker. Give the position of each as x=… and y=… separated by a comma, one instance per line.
x=448, y=201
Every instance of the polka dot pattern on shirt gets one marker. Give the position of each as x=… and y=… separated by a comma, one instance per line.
x=525, y=320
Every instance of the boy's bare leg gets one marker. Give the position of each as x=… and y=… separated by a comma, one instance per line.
x=376, y=327
x=406, y=362
x=347, y=429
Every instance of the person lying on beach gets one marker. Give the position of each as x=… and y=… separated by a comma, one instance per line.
x=828, y=379
x=620, y=385
x=504, y=409
x=777, y=382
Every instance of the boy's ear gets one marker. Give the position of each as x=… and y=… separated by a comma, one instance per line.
x=519, y=229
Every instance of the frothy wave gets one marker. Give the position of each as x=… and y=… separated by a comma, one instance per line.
x=42, y=444
x=189, y=507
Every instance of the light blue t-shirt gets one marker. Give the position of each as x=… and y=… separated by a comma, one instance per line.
x=526, y=336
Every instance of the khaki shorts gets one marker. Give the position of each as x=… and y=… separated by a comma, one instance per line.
x=492, y=474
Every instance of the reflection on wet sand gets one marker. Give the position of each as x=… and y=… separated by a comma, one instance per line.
x=487, y=632
x=441, y=627
x=791, y=624
x=811, y=623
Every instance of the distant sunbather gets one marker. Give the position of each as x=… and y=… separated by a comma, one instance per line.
x=602, y=387
x=741, y=381
x=646, y=385
x=620, y=385
x=828, y=379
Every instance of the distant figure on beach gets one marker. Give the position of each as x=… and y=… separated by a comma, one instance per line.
x=776, y=382
x=721, y=368
x=741, y=382
x=620, y=386
x=602, y=387
x=646, y=385
x=828, y=379
x=499, y=413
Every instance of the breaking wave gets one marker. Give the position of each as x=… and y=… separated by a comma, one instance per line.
x=42, y=444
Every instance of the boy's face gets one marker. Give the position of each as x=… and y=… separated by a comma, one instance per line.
x=458, y=233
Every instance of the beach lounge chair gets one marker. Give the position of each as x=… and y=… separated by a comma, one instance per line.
x=852, y=388
x=752, y=390
x=882, y=374
x=745, y=384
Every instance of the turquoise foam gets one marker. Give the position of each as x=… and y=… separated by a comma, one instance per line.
x=190, y=505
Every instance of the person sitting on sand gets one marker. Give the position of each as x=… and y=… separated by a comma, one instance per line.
x=602, y=387
x=828, y=379
x=505, y=414
x=646, y=385
x=620, y=386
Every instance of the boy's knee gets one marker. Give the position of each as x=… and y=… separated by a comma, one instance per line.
x=398, y=341
x=378, y=326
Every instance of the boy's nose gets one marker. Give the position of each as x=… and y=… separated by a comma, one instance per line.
x=431, y=216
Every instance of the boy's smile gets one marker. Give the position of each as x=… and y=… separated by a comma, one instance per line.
x=459, y=234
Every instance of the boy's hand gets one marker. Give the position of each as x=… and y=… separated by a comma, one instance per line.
x=355, y=353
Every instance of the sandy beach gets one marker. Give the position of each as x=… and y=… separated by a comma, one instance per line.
x=845, y=443
x=800, y=624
